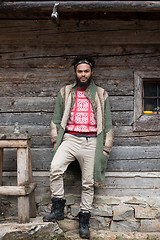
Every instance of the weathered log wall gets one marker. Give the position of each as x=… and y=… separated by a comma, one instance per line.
x=35, y=62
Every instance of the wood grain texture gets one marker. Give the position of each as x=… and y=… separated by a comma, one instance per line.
x=43, y=9
x=122, y=158
x=36, y=61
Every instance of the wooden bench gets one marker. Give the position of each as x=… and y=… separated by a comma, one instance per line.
x=25, y=187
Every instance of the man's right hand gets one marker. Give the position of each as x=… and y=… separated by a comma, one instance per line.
x=54, y=144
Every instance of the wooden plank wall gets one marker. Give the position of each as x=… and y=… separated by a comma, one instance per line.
x=35, y=62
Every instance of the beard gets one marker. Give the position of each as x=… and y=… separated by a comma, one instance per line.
x=83, y=84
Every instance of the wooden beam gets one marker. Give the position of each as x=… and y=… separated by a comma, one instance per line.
x=68, y=6
x=12, y=190
x=43, y=9
x=17, y=190
x=46, y=174
x=30, y=188
x=13, y=143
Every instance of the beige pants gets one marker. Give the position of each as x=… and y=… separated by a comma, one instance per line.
x=82, y=149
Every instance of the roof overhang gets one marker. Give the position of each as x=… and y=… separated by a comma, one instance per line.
x=43, y=9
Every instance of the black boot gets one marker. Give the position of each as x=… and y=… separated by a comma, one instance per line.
x=57, y=210
x=84, y=224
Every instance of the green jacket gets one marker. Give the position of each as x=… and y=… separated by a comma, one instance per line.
x=100, y=103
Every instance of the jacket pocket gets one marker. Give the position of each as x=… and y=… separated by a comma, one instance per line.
x=104, y=160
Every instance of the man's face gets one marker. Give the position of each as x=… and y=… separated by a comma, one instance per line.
x=83, y=74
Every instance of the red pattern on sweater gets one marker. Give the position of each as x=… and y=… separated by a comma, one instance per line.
x=82, y=118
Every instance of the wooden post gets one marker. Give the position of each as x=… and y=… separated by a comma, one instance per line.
x=32, y=210
x=22, y=179
x=1, y=166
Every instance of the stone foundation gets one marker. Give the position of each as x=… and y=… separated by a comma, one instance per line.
x=111, y=216
x=36, y=229
x=131, y=214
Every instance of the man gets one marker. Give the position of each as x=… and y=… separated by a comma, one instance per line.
x=81, y=129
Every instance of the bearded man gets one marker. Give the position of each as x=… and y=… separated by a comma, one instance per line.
x=81, y=129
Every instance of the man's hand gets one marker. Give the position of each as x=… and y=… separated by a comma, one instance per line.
x=54, y=144
x=105, y=153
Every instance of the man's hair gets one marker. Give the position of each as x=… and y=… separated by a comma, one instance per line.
x=83, y=59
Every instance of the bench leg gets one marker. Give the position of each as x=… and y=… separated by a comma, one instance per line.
x=1, y=167
x=32, y=210
x=23, y=179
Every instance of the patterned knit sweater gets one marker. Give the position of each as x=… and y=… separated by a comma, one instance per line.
x=82, y=120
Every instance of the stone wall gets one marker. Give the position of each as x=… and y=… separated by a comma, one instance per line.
x=115, y=214
x=109, y=213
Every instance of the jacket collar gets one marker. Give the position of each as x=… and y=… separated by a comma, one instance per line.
x=90, y=93
x=90, y=90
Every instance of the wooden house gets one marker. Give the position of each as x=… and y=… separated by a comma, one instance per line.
x=38, y=41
